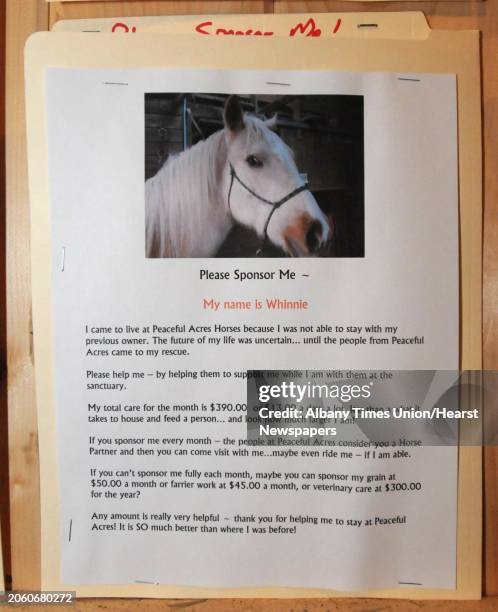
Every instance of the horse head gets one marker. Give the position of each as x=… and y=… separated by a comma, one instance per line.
x=265, y=189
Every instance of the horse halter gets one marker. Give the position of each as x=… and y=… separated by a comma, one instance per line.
x=274, y=205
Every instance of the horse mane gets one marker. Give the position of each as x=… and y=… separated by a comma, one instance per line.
x=182, y=198
x=185, y=213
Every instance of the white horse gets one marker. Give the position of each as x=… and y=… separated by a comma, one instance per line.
x=244, y=173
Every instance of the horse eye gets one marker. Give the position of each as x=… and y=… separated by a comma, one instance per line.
x=254, y=161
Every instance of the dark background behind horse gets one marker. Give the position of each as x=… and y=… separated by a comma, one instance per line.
x=325, y=133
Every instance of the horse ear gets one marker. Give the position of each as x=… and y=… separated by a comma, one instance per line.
x=272, y=123
x=233, y=115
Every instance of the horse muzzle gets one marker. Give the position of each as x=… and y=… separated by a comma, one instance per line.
x=306, y=237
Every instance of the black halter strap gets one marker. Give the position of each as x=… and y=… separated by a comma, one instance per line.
x=274, y=205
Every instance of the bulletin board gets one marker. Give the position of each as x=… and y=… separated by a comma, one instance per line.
x=27, y=16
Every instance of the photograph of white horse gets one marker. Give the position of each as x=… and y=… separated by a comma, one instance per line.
x=242, y=174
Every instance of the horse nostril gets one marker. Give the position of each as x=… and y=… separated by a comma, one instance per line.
x=313, y=236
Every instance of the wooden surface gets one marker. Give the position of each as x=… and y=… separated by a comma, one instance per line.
x=273, y=605
x=25, y=16
x=22, y=19
x=81, y=10
x=4, y=451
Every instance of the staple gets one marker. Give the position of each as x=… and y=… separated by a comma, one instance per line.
x=70, y=529
x=276, y=83
x=145, y=582
x=114, y=83
x=411, y=583
x=409, y=79
x=91, y=30
x=63, y=259
x=367, y=25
